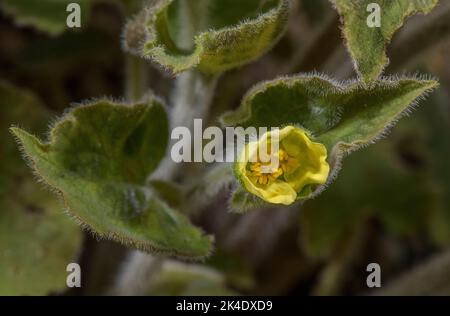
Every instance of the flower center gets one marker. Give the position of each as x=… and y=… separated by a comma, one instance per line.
x=257, y=174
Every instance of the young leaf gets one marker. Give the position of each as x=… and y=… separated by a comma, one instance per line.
x=212, y=35
x=342, y=117
x=46, y=15
x=367, y=42
x=36, y=240
x=98, y=158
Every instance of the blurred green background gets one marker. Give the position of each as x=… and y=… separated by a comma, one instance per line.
x=390, y=204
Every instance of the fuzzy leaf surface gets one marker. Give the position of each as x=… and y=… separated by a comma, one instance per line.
x=99, y=157
x=367, y=45
x=343, y=117
x=212, y=35
x=350, y=114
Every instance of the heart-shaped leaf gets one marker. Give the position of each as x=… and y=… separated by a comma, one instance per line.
x=37, y=241
x=99, y=157
x=211, y=35
x=367, y=41
x=46, y=15
x=343, y=117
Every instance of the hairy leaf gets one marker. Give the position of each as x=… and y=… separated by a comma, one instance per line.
x=212, y=35
x=367, y=45
x=343, y=117
x=46, y=15
x=37, y=241
x=350, y=114
x=99, y=157
x=169, y=192
x=437, y=147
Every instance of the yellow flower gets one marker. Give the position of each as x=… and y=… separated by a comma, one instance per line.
x=301, y=166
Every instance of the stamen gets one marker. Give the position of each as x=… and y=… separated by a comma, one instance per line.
x=286, y=163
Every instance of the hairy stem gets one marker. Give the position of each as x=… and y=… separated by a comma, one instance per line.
x=136, y=78
x=137, y=274
x=191, y=98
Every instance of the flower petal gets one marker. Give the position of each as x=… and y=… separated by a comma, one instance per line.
x=278, y=192
x=312, y=168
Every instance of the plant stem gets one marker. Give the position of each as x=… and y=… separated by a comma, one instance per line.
x=136, y=78
x=191, y=98
x=137, y=275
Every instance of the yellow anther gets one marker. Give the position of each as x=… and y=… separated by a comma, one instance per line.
x=285, y=163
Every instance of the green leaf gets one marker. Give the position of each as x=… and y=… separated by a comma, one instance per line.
x=343, y=117
x=37, y=241
x=46, y=15
x=98, y=157
x=368, y=113
x=349, y=115
x=367, y=45
x=212, y=35
x=180, y=279
x=374, y=184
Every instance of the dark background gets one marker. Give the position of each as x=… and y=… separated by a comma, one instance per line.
x=390, y=205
